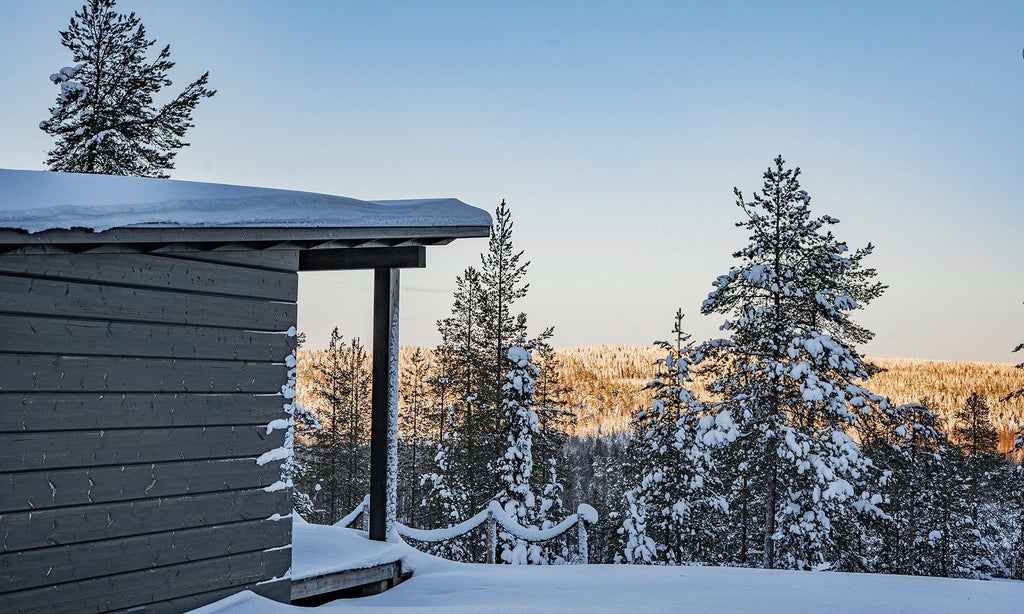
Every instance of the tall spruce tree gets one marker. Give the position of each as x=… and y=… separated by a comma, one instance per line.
x=789, y=372
x=105, y=119
x=502, y=274
x=473, y=356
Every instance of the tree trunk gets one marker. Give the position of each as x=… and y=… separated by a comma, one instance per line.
x=769, y=511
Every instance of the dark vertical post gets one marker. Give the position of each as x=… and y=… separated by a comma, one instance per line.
x=385, y=311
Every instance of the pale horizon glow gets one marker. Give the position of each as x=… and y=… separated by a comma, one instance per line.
x=616, y=132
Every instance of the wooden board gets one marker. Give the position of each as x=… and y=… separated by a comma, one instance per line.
x=69, y=336
x=71, y=525
x=59, y=564
x=43, y=297
x=42, y=373
x=38, y=490
x=155, y=271
x=86, y=411
x=329, y=583
x=60, y=450
x=270, y=259
x=140, y=587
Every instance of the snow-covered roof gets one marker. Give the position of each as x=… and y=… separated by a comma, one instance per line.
x=37, y=201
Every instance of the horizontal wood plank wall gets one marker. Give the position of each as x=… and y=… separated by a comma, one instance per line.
x=135, y=394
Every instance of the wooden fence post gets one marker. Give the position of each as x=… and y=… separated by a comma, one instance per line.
x=584, y=555
x=492, y=538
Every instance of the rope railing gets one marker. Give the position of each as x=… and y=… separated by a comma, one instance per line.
x=493, y=516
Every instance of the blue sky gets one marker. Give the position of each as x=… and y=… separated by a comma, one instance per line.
x=616, y=131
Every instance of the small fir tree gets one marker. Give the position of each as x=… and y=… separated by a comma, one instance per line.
x=515, y=466
x=674, y=506
x=105, y=119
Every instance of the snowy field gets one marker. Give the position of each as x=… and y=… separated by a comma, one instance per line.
x=443, y=586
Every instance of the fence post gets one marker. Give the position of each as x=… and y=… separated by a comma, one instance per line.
x=492, y=538
x=584, y=556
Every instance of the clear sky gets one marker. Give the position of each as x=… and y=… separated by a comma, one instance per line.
x=616, y=132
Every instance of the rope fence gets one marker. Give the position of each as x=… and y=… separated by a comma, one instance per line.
x=493, y=516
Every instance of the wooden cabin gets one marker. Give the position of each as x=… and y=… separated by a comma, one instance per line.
x=145, y=327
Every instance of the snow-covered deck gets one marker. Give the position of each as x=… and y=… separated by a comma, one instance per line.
x=326, y=559
x=444, y=586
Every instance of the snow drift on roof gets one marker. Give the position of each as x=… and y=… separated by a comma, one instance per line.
x=42, y=200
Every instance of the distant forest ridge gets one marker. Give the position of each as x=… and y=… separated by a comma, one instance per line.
x=605, y=385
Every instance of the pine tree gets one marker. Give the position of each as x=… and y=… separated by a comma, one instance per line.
x=469, y=438
x=675, y=504
x=340, y=452
x=105, y=119
x=919, y=520
x=501, y=280
x=789, y=372
x=414, y=440
x=447, y=500
x=983, y=468
x=554, y=419
x=473, y=356
x=600, y=465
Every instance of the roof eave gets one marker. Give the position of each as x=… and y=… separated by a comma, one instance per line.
x=150, y=239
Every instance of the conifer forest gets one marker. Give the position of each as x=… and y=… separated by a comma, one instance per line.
x=776, y=445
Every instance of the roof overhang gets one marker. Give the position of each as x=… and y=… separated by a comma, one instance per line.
x=46, y=212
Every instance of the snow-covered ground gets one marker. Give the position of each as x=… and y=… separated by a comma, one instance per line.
x=443, y=586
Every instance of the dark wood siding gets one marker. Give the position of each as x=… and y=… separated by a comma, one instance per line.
x=135, y=393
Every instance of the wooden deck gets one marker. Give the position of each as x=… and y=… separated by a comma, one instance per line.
x=330, y=562
x=348, y=583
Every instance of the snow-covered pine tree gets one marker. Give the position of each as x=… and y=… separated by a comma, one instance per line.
x=447, y=497
x=473, y=354
x=502, y=277
x=983, y=470
x=467, y=432
x=790, y=374
x=515, y=467
x=676, y=503
x=105, y=119
x=554, y=418
x=911, y=537
x=599, y=463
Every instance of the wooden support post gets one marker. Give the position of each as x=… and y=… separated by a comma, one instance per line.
x=383, y=400
x=492, y=538
x=584, y=548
